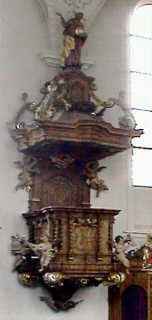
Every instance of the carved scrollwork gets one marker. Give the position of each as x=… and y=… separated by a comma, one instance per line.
x=62, y=160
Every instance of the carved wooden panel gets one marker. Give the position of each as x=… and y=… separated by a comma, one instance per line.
x=84, y=235
x=59, y=187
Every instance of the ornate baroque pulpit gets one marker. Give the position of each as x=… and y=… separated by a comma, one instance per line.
x=70, y=243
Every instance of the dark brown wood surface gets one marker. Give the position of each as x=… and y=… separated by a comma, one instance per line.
x=142, y=279
x=85, y=238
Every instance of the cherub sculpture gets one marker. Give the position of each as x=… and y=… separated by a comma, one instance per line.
x=45, y=251
x=91, y=172
x=127, y=120
x=120, y=251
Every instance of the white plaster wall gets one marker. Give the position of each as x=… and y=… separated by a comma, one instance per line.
x=23, y=34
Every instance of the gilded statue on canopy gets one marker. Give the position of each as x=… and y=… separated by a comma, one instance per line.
x=74, y=38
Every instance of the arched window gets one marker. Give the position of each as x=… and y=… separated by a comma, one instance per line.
x=141, y=92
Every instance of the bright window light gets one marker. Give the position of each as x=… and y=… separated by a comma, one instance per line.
x=142, y=60
x=141, y=24
x=142, y=160
x=141, y=93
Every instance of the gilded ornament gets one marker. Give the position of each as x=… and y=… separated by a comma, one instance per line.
x=53, y=278
x=27, y=279
x=115, y=278
x=147, y=253
x=84, y=282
